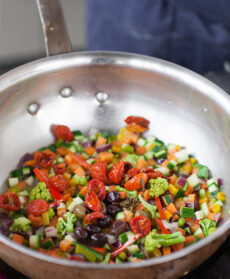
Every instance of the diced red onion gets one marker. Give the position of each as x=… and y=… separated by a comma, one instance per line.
x=181, y=181
x=172, y=227
x=160, y=161
x=111, y=239
x=220, y=181
x=117, y=244
x=25, y=158
x=103, y=148
x=184, y=175
x=5, y=224
x=40, y=231
x=51, y=232
x=217, y=217
x=190, y=204
x=86, y=144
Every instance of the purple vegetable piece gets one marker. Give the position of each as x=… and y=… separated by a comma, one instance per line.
x=181, y=181
x=184, y=175
x=160, y=161
x=220, y=181
x=117, y=244
x=86, y=144
x=190, y=204
x=5, y=223
x=25, y=158
x=103, y=148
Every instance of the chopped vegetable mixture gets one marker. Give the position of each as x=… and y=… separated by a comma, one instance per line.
x=110, y=198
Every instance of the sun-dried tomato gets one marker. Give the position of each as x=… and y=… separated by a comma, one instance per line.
x=156, y=174
x=36, y=221
x=44, y=158
x=138, y=120
x=92, y=201
x=59, y=168
x=141, y=224
x=98, y=187
x=92, y=217
x=59, y=183
x=99, y=171
x=137, y=182
x=132, y=172
x=37, y=207
x=116, y=172
x=62, y=132
x=10, y=201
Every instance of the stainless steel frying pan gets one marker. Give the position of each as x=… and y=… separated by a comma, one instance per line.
x=99, y=89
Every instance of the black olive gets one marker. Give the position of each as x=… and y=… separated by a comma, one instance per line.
x=92, y=229
x=113, y=197
x=81, y=234
x=128, y=166
x=118, y=227
x=105, y=222
x=113, y=209
x=98, y=239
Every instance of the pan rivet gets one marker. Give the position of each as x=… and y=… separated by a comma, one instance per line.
x=66, y=92
x=33, y=108
x=102, y=97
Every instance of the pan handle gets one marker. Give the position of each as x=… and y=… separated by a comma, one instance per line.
x=54, y=27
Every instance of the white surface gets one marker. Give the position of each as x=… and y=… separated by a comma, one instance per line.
x=21, y=33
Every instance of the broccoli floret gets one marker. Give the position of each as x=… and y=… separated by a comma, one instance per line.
x=155, y=240
x=65, y=224
x=40, y=191
x=131, y=194
x=51, y=213
x=20, y=225
x=132, y=158
x=208, y=226
x=158, y=186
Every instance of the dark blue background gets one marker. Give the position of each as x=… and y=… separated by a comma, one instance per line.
x=192, y=33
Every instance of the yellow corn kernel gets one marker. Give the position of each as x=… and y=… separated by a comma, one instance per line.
x=45, y=217
x=177, y=147
x=116, y=149
x=72, y=182
x=221, y=196
x=188, y=169
x=168, y=214
x=202, y=200
x=193, y=160
x=216, y=208
x=172, y=189
x=69, y=201
x=67, y=176
x=157, y=252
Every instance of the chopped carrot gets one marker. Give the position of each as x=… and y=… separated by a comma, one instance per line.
x=62, y=151
x=106, y=157
x=211, y=216
x=165, y=163
x=83, y=190
x=60, y=211
x=160, y=208
x=172, y=151
x=189, y=190
x=146, y=195
x=80, y=171
x=71, y=190
x=171, y=208
x=139, y=207
x=65, y=245
x=100, y=250
x=65, y=197
x=173, y=179
x=194, y=227
x=128, y=215
x=204, y=186
x=151, y=162
x=123, y=195
x=30, y=163
x=90, y=150
x=54, y=221
x=112, y=188
x=190, y=239
x=166, y=251
x=21, y=185
x=73, y=166
x=117, y=143
x=172, y=157
x=141, y=163
x=100, y=141
x=45, y=172
x=140, y=150
x=130, y=137
x=178, y=246
x=68, y=158
x=18, y=238
x=191, y=197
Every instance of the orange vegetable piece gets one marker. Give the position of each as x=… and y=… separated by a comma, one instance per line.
x=90, y=150
x=151, y=162
x=182, y=231
x=123, y=195
x=73, y=166
x=18, y=238
x=36, y=221
x=68, y=159
x=141, y=164
x=100, y=141
x=31, y=163
x=65, y=245
x=190, y=239
x=189, y=190
x=173, y=179
x=54, y=221
x=106, y=157
x=80, y=171
x=60, y=211
x=130, y=137
x=128, y=215
x=62, y=151
x=140, y=150
x=83, y=190
x=136, y=182
x=171, y=208
x=178, y=246
x=166, y=251
x=211, y=216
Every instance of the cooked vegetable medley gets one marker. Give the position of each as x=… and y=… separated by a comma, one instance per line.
x=110, y=198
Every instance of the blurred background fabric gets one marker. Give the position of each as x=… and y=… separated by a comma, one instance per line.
x=194, y=34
